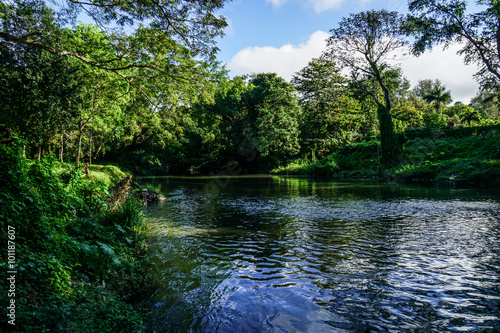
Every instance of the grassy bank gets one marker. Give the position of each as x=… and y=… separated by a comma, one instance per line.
x=443, y=159
x=79, y=265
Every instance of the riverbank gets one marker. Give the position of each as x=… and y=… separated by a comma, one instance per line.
x=76, y=257
x=428, y=157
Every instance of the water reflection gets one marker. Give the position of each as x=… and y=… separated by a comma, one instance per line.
x=299, y=255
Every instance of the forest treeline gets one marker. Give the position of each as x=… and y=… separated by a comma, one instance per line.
x=150, y=94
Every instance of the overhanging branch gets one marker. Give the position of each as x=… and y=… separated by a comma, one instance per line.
x=26, y=40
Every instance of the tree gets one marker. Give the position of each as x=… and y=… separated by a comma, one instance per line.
x=469, y=116
x=439, y=97
x=486, y=102
x=408, y=115
x=155, y=37
x=456, y=109
x=363, y=43
x=272, y=114
x=330, y=113
x=447, y=21
x=39, y=96
x=424, y=87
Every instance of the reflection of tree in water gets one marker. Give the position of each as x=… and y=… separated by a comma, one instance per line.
x=283, y=253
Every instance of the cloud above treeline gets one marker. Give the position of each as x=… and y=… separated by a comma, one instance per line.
x=284, y=61
x=318, y=5
x=288, y=59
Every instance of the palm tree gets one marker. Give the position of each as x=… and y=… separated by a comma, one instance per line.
x=469, y=116
x=439, y=97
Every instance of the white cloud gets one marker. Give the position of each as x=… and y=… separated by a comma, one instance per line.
x=276, y=3
x=323, y=5
x=229, y=30
x=318, y=5
x=446, y=66
x=285, y=61
x=288, y=59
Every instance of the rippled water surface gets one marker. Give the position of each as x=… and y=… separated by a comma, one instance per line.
x=301, y=255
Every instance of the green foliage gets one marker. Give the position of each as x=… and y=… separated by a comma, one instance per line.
x=407, y=115
x=486, y=102
x=326, y=166
x=470, y=115
x=108, y=173
x=357, y=159
x=80, y=264
x=450, y=156
x=330, y=113
x=438, y=96
x=434, y=22
x=434, y=120
x=360, y=158
x=273, y=112
x=463, y=161
x=161, y=38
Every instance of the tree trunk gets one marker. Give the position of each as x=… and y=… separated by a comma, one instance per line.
x=61, y=150
x=388, y=138
x=24, y=151
x=79, y=149
x=97, y=152
x=39, y=152
x=90, y=150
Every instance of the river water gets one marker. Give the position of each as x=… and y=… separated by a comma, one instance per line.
x=272, y=254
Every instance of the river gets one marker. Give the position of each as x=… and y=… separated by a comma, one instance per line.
x=277, y=254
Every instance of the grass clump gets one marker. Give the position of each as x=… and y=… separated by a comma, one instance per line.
x=326, y=166
x=107, y=173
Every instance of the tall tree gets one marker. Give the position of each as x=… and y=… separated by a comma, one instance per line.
x=439, y=97
x=469, y=116
x=363, y=43
x=447, y=21
x=39, y=95
x=424, y=87
x=330, y=113
x=272, y=113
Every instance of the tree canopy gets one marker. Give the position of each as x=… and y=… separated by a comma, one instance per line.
x=448, y=21
x=154, y=37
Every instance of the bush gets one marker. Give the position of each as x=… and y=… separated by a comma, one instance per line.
x=80, y=264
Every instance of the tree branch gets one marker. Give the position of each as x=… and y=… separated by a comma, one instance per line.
x=28, y=41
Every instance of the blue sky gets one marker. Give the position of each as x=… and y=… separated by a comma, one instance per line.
x=283, y=35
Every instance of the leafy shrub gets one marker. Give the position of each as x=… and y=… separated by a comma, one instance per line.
x=78, y=262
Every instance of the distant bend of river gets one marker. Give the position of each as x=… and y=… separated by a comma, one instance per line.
x=273, y=254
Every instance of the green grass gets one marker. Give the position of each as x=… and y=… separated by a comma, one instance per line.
x=327, y=166
x=470, y=160
x=108, y=174
x=456, y=161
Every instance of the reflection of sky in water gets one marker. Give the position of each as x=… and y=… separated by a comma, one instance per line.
x=284, y=256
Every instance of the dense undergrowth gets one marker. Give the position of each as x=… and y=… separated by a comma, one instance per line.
x=80, y=266
x=464, y=157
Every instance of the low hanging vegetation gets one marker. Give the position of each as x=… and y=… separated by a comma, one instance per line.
x=80, y=266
